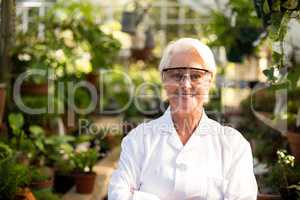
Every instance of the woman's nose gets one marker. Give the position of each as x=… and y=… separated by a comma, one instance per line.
x=186, y=82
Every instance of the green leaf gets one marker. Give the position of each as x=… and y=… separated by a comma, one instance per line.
x=290, y=4
x=294, y=76
x=40, y=145
x=280, y=86
x=16, y=121
x=36, y=131
x=276, y=5
x=5, y=152
x=269, y=73
x=266, y=7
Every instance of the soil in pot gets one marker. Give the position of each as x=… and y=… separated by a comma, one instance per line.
x=85, y=182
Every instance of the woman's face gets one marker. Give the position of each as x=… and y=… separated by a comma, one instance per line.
x=186, y=83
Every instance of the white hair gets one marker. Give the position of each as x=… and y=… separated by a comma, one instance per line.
x=183, y=45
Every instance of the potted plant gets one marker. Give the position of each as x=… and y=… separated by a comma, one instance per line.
x=238, y=31
x=283, y=178
x=14, y=176
x=41, y=178
x=29, y=54
x=19, y=140
x=83, y=45
x=45, y=120
x=276, y=16
x=31, y=150
x=266, y=10
x=59, y=153
x=84, y=175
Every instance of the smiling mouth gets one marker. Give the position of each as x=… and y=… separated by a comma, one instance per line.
x=186, y=94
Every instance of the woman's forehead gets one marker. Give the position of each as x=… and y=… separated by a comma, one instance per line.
x=185, y=69
x=188, y=58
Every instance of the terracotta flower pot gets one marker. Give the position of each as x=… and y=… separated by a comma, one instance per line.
x=294, y=142
x=2, y=101
x=268, y=197
x=34, y=89
x=85, y=182
x=25, y=194
x=38, y=185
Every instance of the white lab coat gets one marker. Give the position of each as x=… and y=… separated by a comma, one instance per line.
x=215, y=164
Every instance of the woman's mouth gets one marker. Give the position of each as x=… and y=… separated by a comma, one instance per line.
x=186, y=94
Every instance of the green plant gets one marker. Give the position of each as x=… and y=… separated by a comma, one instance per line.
x=276, y=16
x=19, y=139
x=16, y=122
x=32, y=53
x=30, y=143
x=73, y=43
x=237, y=31
x=13, y=176
x=37, y=134
x=38, y=139
x=85, y=160
x=5, y=152
x=59, y=153
x=284, y=176
x=45, y=195
x=271, y=12
x=39, y=174
x=79, y=37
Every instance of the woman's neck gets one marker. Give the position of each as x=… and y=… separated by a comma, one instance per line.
x=186, y=123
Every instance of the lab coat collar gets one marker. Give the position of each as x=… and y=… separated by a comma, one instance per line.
x=167, y=125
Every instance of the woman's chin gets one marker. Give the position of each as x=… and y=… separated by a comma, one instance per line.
x=186, y=104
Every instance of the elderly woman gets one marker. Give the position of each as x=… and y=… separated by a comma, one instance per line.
x=184, y=155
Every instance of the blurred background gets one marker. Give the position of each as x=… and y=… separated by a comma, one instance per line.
x=76, y=76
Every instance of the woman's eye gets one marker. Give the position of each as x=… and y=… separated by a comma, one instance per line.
x=177, y=76
x=195, y=76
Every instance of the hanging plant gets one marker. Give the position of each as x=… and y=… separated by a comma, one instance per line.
x=266, y=9
x=235, y=28
x=276, y=16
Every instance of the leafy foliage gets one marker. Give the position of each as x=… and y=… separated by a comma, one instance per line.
x=284, y=176
x=38, y=174
x=237, y=31
x=59, y=153
x=85, y=160
x=73, y=42
x=45, y=195
x=13, y=176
